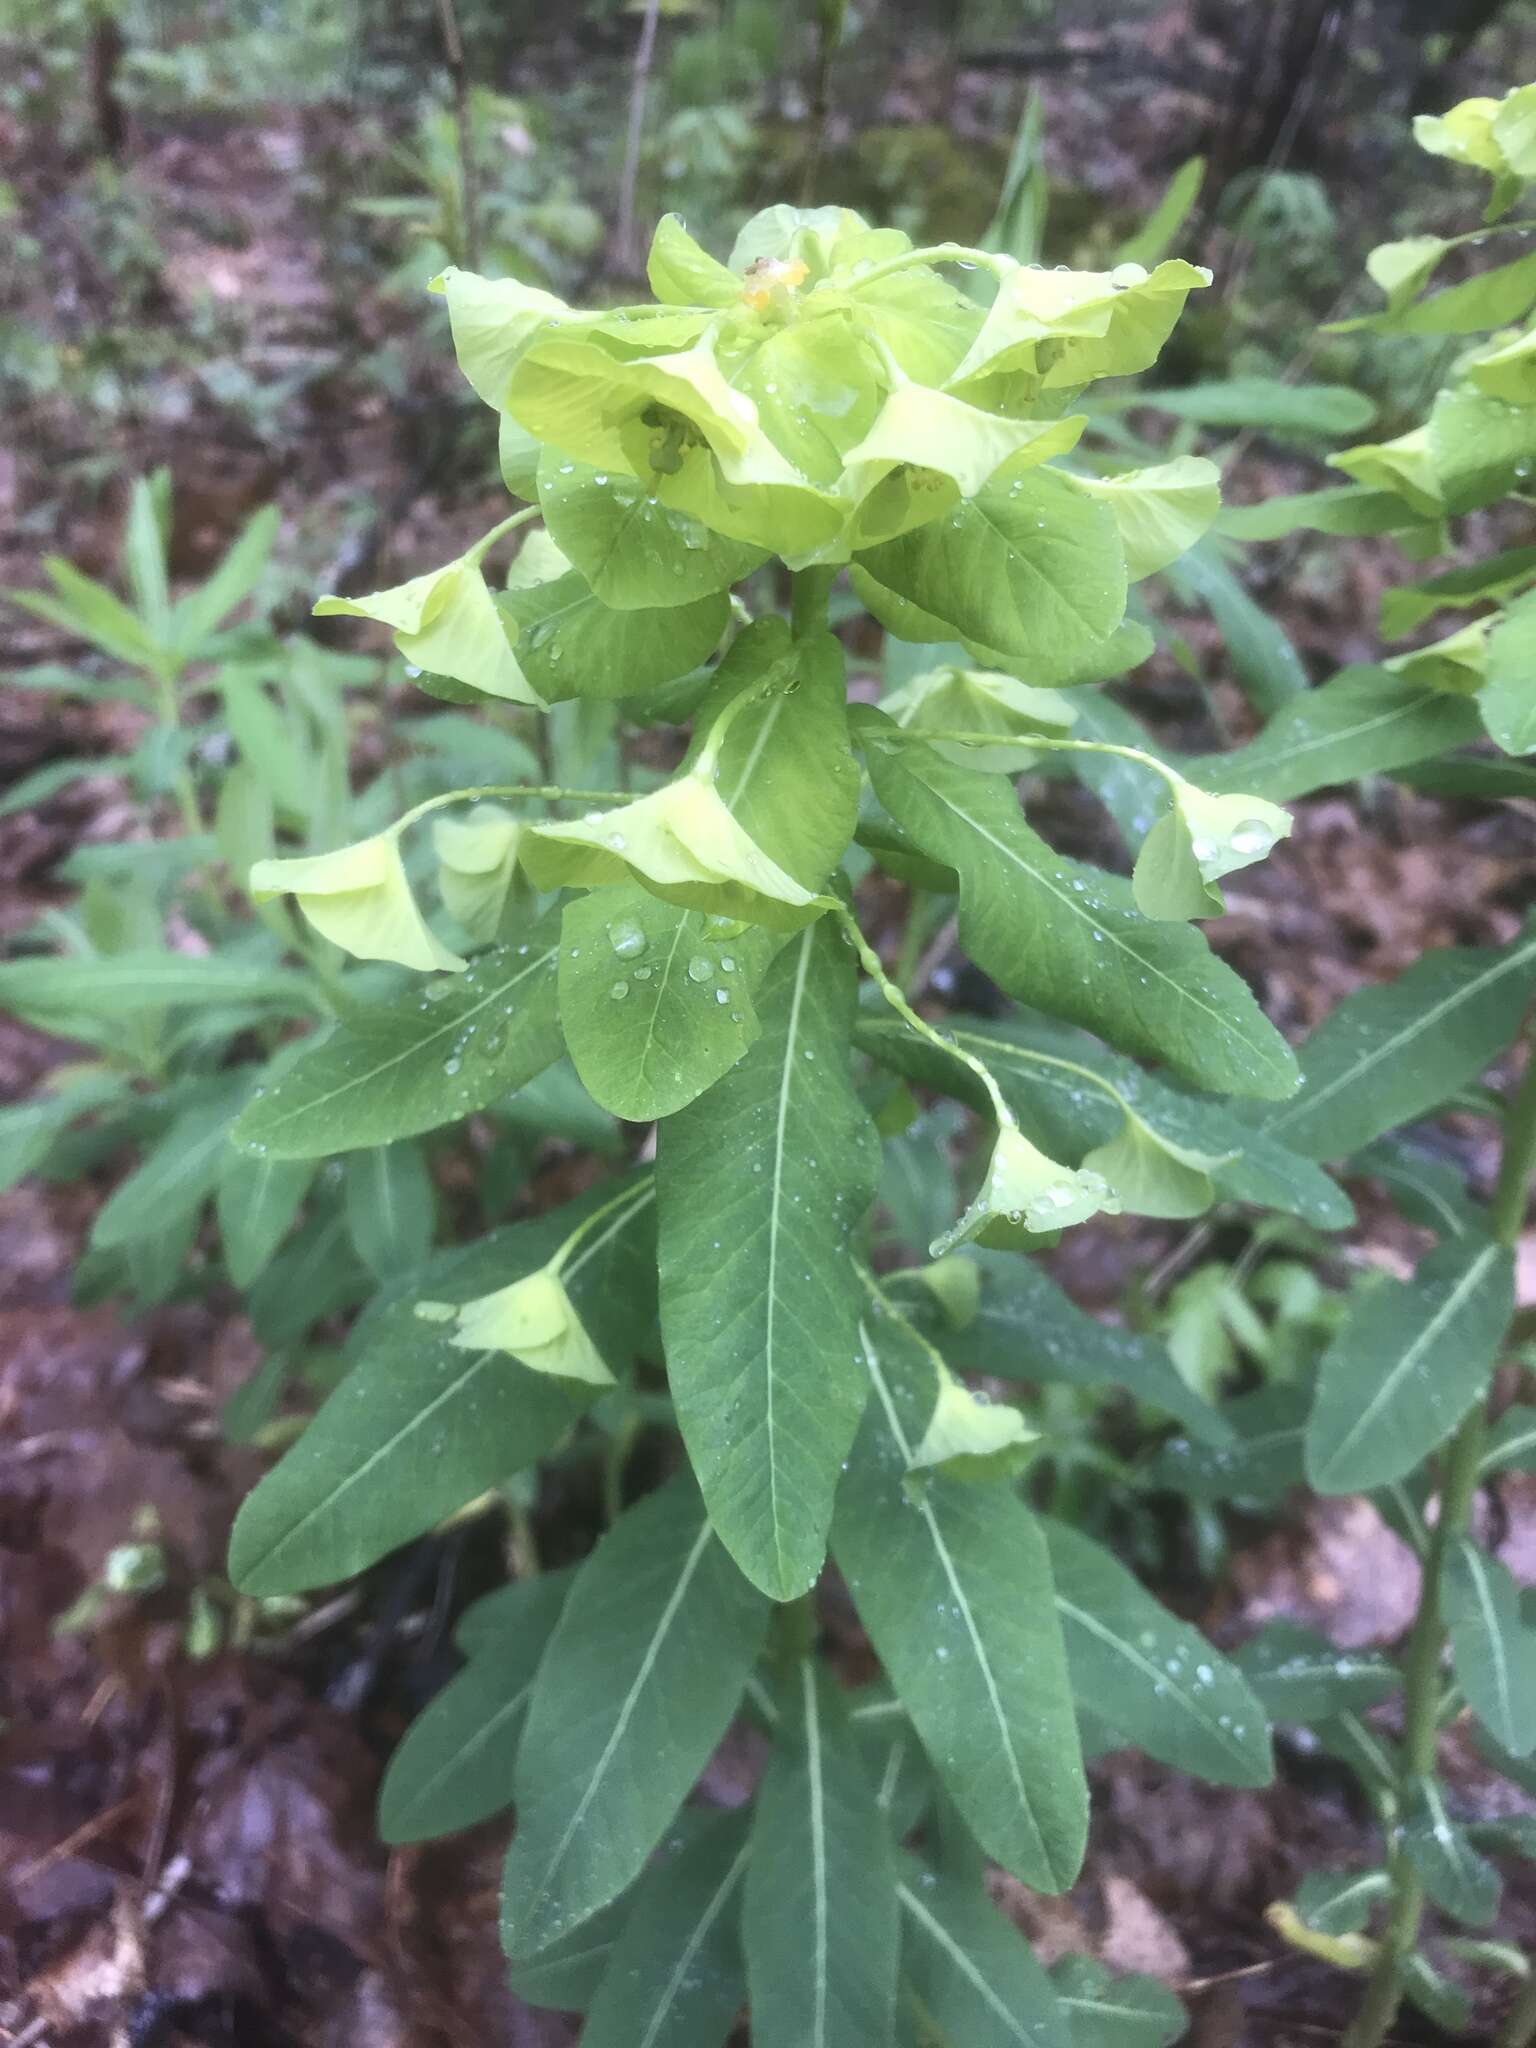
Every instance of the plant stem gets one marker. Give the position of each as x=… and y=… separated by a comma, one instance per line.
x=875, y=969
x=510, y=524
x=464, y=130
x=808, y=601
x=1421, y=1664
x=629, y=177
x=1519, y=2028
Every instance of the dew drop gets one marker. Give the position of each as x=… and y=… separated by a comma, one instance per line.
x=700, y=968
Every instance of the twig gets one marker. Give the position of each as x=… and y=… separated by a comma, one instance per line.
x=463, y=121
x=625, y=250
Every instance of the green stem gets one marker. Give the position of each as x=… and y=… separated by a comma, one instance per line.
x=808, y=601
x=1426, y=1644
x=938, y=252
x=510, y=524
x=910, y=951
x=1519, y=2029
x=552, y=792
x=628, y=1197
x=1053, y=746
x=873, y=967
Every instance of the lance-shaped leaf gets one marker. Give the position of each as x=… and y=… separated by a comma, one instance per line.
x=418, y=1427
x=171, y=1183
x=659, y=1001
x=761, y=1183
x=819, y=1924
x=1259, y=1459
x=1160, y=512
x=476, y=863
x=1459, y=1880
x=1389, y=1054
x=1493, y=1645
x=1200, y=839
x=534, y=1321
x=1026, y=1193
x=454, y=1766
x=1053, y=329
x=445, y=622
x=955, y=1592
x=391, y=1207
x=975, y=1977
x=1031, y=566
x=256, y=1201
x=1065, y=937
x=981, y=701
x=639, y=1683
x=1408, y=1363
x=1155, y=1680
x=1511, y=1441
x=359, y=898
x=1507, y=700
x=1025, y=1328
x=1298, y=1675
x=394, y=1069
x=1079, y=1098
x=675, y=1978
x=632, y=550
x=1363, y=721
x=1105, y=2011
x=681, y=843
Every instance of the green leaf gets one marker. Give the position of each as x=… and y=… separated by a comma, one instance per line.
x=1267, y=666
x=1507, y=699
x=1342, y=508
x=1459, y=1880
x=1197, y=842
x=55, y=986
x=760, y=1185
x=317, y=1275
x=1030, y=566
x=571, y=644
x=1299, y=1675
x=30, y=790
x=1340, y=1902
x=976, y=1979
x=231, y=582
x=1410, y=1360
x=639, y=1683
x=675, y=1978
x=436, y=1053
x=1480, y=447
x=1408, y=605
x=1389, y=1054
x=1160, y=512
x=1153, y=1679
x=1065, y=937
x=177, y=1176
x=820, y=1919
x=1493, y=1646
x=786, y=769
x=1050, y=329
x=680, y=273
x=955, y=1593
x=1511, y=1442
x=1105, y=2011
x=391, y=1207
x=28, y=1130
x=257, y=1200
x=1159, y=231
x=658, y=1001
x=88, y=609
x=1266, y=405
x=1263, y=1462
x=632, y=550
x=454, y=1766
x=359, y=897
x=1026, y=1329
x=447, y=623
x=1071, y=1092
x=419, y=1426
